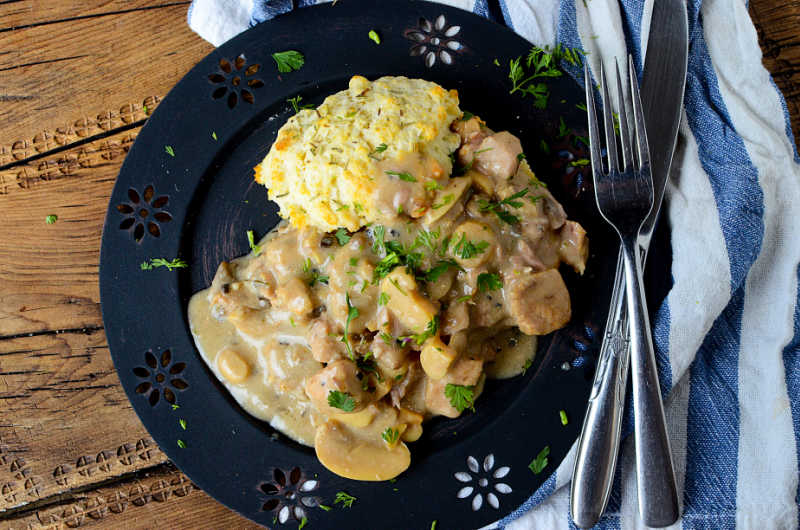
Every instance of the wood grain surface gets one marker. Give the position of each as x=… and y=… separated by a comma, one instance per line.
x=77, y=81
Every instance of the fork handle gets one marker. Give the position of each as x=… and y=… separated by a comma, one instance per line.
x=598, y=445
x=655, y=475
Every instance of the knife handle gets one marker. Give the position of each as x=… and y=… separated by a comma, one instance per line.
x=598, y=444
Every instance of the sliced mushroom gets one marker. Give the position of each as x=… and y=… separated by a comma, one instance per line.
x=539, y=302
x=407, y=304
x=352, y=456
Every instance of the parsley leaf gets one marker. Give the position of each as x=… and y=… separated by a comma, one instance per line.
x=408, y=177
x=528, y=363
x=541, y=63
x=295, y=101
x=51, y=219
x=383, y=298
x=342, y=236
x=251, y=240
x=563, y=130
x=170, y=151
x=345, y=498
x=390, y=435
x=440, y=268
x=373, y=35
x=466, y=249
x=427, y=239
x=341, y=400
x=324, y=507
x=489, y=282
x=379, y=149
x=176, y=263
x=466, y=115
x=289, y=60
x=499, y=211
x=352, y=314
x=314, y=275
x=580, y=162
x=181, y=444
x=303, y=523
x=563, y=415
x=430, y=331
x=182, y=423
x=540, y=462
x=460, y=396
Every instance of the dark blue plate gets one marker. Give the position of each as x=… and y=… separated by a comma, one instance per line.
x=219, y=122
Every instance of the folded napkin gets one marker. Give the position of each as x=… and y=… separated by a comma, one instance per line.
x=727, y=335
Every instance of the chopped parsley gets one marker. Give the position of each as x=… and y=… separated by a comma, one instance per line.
x=563, y=130
x=460, y=396
x=479, y=151
x=373, y=36
x=342, y=236
x=440, y=268
x=251, y=240
x=176, y=263
x=51, y=219
x=499, y=211
x=544, y=147
x=465, y=298
x=295, y=101
x=383, y=298
x=520, y=157
x=314, y=275
x=352, y=314
x=289, y=60
x=303, y=523
x=580, y=162
x=427, y=239
x=528, y=363
x=170, y=151
x=433, y=524
x=345, y=498
x=496, y=63
x=466, y=249
x=563, y=415
x=214, y=135
x=341, y=400
x=390, y=436
x=407, y=177
x=536, y=183
x=182, y=423
x=175, y=406
x=488, y=281
x=581, y=106
x=181, y=444
x=430, y=331
x=324, y=507
x=447, y=199
x=466, y=115
x=432, y=185
x=541, y=63
x=540, y=462
x=379, y=149
x=396, y=254
x=385, y=337
x=577, y=138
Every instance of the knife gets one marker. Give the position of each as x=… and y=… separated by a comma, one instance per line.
x=662, y=89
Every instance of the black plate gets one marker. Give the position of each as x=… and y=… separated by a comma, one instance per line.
x=199, y=203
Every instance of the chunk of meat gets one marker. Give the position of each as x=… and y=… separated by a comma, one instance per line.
x=293, y=295
x=574, y=248
x=436, y=401
x=404, y=392
x=497, y=156
x=465, y=372
x=455, y=318
x=324, y=342
x=524, y=256
x=487, y=309
x=228, y=294
x=539, y=302
x=341, y=376
x=467, y=129
x=390, y=356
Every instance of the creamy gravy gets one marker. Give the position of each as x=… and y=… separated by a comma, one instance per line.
x=348, y=341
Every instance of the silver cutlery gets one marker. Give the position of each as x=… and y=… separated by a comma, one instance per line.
x=663, y=83
x=625, y=199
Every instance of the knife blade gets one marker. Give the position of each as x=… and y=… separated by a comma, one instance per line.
x=662, y=89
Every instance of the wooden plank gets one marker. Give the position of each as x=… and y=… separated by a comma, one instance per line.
x=777, y=23
x=29, y=12
x=161, y=498
x=66, y=422
x=117, y=63
x=49, y=273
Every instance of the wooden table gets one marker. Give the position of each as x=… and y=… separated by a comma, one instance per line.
x=77, y=79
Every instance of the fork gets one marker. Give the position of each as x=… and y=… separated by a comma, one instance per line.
x=625, y=197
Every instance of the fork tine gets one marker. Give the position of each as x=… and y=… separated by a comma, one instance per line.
x=594, y=132
x=641, y=132
x=625, y=138
x=608, y=121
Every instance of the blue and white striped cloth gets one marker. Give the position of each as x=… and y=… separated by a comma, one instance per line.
x=728, y=334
